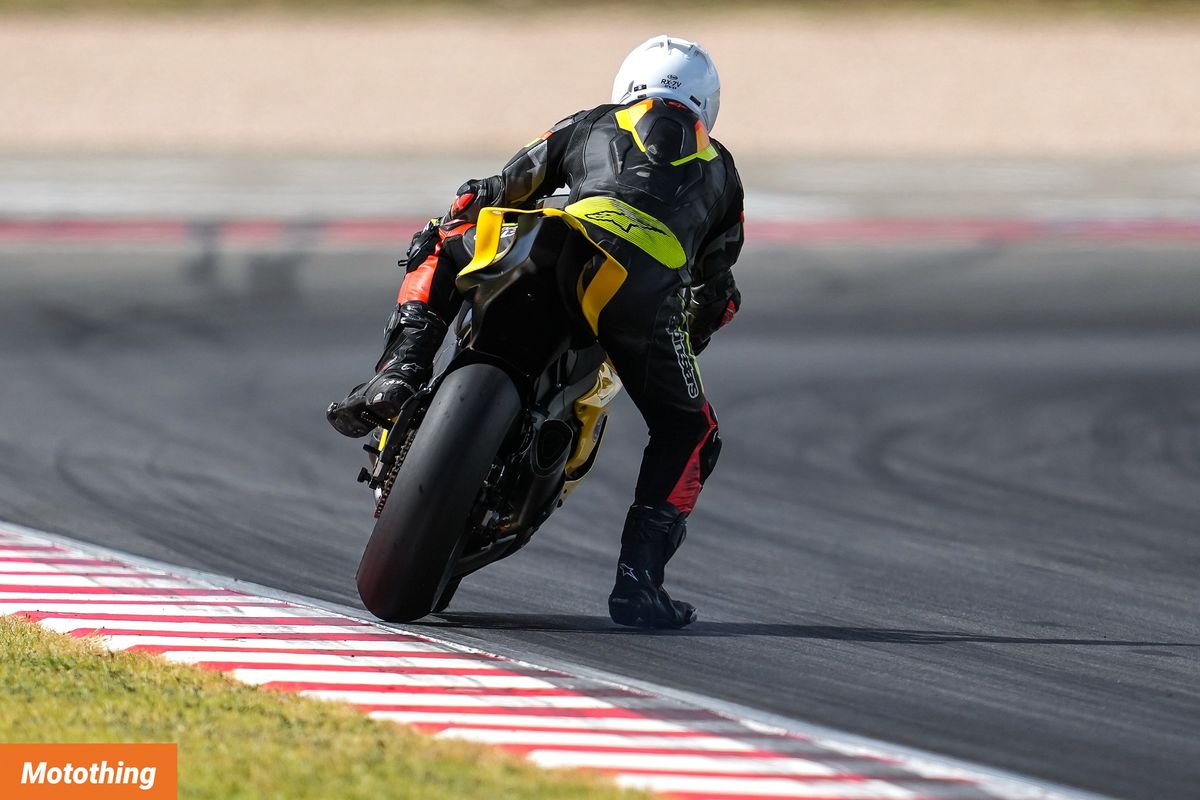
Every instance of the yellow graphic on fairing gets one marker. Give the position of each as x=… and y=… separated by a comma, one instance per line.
x=604, y=285
x=487, y=239
x=643, y=231
x=591, y=410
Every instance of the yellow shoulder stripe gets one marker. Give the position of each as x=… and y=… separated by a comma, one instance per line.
x=628, y=118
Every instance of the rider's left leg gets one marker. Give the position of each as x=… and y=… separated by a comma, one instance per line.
x=406, y=364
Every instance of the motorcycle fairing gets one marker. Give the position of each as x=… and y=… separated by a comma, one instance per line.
x=606, y=280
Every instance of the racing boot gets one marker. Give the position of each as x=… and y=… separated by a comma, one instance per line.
x=652, y=535
x=414, y=335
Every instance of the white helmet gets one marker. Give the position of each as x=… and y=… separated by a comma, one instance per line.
x=674, y=68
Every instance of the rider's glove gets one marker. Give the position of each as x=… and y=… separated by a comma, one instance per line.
x=421, y=247
x=474, y=195
x=711, y=308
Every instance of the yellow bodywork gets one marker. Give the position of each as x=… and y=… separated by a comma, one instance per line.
x=487, y=238
x=604, y=285
x=591, y=410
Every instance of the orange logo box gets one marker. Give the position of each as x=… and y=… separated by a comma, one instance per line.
x=89, y=771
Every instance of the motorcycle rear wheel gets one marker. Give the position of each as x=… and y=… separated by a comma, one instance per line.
x=409, y=560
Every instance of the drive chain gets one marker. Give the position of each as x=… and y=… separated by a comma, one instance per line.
x=391, y=478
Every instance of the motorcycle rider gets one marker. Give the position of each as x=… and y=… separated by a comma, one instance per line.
x=667, y=205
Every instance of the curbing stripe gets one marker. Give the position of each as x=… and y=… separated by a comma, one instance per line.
x=644, y=737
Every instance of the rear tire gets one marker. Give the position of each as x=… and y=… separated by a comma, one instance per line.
x=409, y=559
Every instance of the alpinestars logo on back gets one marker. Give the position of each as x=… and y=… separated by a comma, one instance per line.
x=622, y=221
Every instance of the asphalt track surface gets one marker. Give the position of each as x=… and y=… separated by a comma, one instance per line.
x=958, y=506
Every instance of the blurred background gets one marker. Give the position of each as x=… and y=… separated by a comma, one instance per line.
x=287, y=109
x=957, y=505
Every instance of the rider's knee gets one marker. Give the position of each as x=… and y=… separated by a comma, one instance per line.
x=698, y=429
x=710, y=451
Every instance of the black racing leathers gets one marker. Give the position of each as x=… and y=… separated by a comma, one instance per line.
x=657, y=158
x=699, y=200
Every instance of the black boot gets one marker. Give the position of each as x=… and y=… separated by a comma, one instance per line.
x=414, y=335
x=652, y=535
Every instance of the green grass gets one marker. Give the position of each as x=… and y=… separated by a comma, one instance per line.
x=236, y=741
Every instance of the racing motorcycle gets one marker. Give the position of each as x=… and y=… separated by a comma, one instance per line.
x=510, y=424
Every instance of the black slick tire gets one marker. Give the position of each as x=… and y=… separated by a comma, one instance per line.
x=408, y=562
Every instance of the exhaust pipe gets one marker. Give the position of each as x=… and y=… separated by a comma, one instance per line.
x=551, y=448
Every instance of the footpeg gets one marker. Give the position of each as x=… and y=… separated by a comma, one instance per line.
x=371, y=418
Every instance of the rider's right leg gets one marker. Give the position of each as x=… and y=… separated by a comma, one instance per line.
x=426, y=303
x=644, y=331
